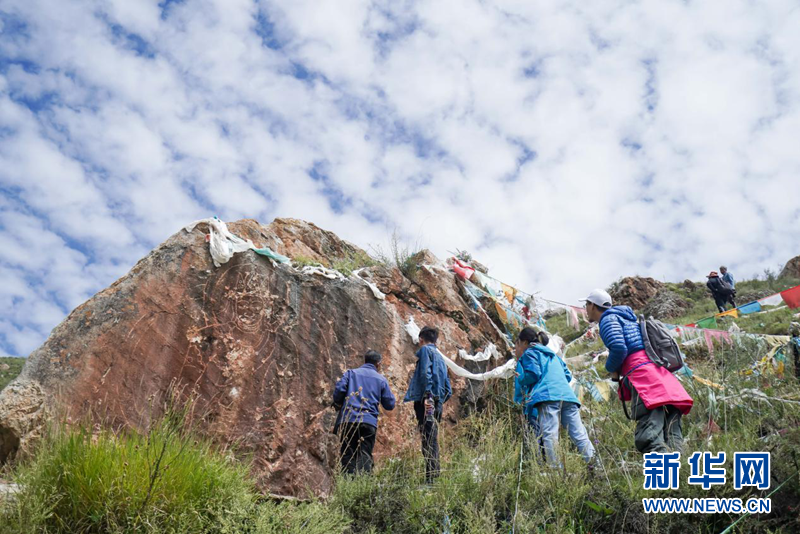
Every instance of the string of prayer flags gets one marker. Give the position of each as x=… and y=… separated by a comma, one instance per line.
x=753, y=307
x=719, y=335
x=791, y=297
x=572, y=317
x=510, y=318
x=509, y=292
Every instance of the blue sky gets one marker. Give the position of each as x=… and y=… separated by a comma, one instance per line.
x=564, y=144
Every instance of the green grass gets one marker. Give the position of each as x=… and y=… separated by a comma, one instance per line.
x=304, y=261
x=167, y=480
x=15, y=368
x=82, y=481
x=477, y=492
x=99, y=481
x=352, y=262
x=703, y=305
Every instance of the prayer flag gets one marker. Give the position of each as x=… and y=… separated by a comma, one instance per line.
x=730, y=313
x=752, y=307
x=772, y=300
x=509, y=292
x=710, y=322
x=792, y=297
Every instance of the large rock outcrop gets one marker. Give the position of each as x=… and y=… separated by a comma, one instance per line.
x=791, y=269
x=634, y=291
x=259, y=344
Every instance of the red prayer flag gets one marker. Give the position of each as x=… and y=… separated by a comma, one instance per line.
x=792, y=297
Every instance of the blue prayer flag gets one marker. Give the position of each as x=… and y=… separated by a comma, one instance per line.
x=752, y=307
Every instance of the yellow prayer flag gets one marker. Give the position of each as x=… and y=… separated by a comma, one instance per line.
x=509, y=291
x=705, y=382
x=730, y=313
x=501, y=312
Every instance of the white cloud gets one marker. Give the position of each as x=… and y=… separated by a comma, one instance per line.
x=565, y=145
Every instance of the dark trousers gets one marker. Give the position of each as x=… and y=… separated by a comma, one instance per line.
x=357, y=441
x=796, y=353
x=723, y=300
x=429, y=431
x=657, y=430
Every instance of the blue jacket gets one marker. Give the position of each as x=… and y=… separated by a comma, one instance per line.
x=430, y=376
x=619, y=329
x=359, y=392
x=545, y=377
x=728, y=277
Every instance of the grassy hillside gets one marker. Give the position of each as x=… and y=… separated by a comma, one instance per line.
x=491, y=482
x=14, y=369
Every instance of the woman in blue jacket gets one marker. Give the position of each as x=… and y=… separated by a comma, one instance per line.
x=545, y=384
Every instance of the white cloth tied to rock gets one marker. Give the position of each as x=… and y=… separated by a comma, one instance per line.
x=507, y=370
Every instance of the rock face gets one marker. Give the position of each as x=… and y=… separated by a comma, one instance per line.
x=791, y=269
x=260, y=345
x=666, y=305
x=634, y=291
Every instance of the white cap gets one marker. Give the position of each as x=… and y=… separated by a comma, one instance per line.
x=599, y=297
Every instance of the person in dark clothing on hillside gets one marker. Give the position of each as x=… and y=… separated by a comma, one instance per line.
x=429, y=389
x=721, y=290
x=794, y=341
x=357, y=395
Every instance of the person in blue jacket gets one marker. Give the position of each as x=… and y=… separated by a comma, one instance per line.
x=429, y=390
x=545, y=381
x=658, y=400
x=530, y=414
x=727, y=276
x=357, y=395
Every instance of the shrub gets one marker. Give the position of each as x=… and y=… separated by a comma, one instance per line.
x=353, y=261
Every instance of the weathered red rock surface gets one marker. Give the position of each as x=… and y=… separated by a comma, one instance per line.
x=634, y=291
x=791, y=269
x=260, y=345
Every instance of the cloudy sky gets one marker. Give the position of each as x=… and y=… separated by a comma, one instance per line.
x=564, y=144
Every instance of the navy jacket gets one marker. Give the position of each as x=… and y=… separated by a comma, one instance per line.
x=719, y=288
x=619, y=329
x=430, y=376
x=359, y=392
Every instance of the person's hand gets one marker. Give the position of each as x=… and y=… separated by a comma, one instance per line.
x=615, y=376
x=428, y=402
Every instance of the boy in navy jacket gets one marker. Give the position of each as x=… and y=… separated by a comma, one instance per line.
x=358, y=394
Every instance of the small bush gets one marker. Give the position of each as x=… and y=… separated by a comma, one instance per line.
x=10, y=373
x=352, y=262
x=400, y=255
x=305, y=261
